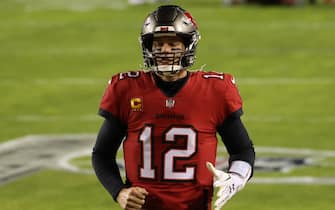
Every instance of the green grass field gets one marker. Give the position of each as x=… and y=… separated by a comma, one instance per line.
x=57, y=56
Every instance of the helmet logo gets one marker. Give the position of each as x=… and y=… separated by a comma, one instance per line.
x=164, y=28
x=189, y=16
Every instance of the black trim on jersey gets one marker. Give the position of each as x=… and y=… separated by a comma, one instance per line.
x=233, y=115
x=170, y=89
x=104, y=152
x=104, y=113
x=206, y=199
x=236, y=139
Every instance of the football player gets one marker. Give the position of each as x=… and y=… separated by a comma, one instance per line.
x=167, y=118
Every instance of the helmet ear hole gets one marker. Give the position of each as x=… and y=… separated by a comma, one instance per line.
x=147, y=41
x=184, y=61
x=186, y=39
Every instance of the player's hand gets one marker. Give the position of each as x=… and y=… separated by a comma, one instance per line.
x=132, y=198
x=228, y=183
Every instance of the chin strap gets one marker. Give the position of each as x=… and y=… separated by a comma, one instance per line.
x=167, y=68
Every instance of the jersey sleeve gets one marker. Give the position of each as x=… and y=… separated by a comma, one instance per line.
x=111, y=102
x=230, y=99
x=233, y=100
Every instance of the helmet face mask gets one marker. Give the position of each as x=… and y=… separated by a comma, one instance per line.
x=167, y=52
x=167, y=61
x=169, y=21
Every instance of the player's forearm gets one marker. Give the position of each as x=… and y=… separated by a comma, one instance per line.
x=237, y=142
x=246, y=156
x=108, y=173
x=104, y=156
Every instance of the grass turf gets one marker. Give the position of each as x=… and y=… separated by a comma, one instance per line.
x=56, y=59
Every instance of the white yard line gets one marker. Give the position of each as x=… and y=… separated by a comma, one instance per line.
x=44, y=118
x=303, y=180
x=274, y=25
x=32, y=139
x=78, y=5
x=59, y=81
x=293, y=119
x=31, y=118
x=296, y=151
x=240, y=80
x=91, y=50
x=78, y=51
x=292, y=151
x=285, y=81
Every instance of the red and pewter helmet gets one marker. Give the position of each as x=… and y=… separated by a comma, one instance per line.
x=169, y=20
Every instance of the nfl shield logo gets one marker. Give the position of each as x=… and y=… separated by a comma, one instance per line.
x=169, y=103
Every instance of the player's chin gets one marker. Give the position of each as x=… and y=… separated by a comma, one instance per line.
x=167, y=76
x=165, y=63
x=166, y=73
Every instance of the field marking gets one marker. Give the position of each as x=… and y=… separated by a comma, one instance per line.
x=240, y=81
x=26, y=155
x=101, y=50
x=292, y=119
x=35, y=118
x=304, y=180
x=74, y=51
x=273, y=25
x=33, y=5
x=285, y=81
x=44, y=118
x=312, y=153
x=296, y=151
x=64, y=162
x=77, y=6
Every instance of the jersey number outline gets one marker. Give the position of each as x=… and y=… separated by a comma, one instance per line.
x=148, y=171
x=129, y=74
x=217, y=75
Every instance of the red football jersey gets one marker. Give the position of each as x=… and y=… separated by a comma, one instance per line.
x=169, y=139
